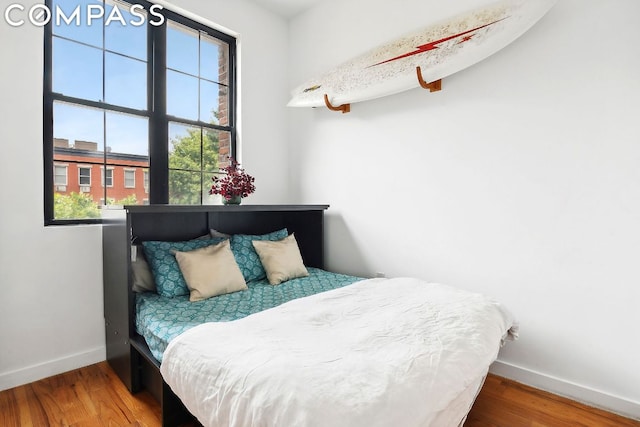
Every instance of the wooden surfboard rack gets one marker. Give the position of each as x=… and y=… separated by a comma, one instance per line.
x=345, y=108
x=433, y=86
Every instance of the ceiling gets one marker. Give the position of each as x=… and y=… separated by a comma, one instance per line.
x=287, y=8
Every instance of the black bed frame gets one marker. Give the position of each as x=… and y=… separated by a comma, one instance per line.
x=127, y=352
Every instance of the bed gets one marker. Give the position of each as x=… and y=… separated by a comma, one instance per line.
x=321, y=349
x=159, y=319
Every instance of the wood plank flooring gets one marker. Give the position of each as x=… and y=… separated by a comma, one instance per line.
x=504, y=403
x=90, y=396
x=94, y=396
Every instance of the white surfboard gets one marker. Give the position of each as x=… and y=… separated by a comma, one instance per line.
x=439, y=50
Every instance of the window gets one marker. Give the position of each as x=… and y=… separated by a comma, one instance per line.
x=197, y=73
x=158, y=97
x=145, y=182
x=107, y=178
x=129, y=178
x=60, y=175
x=84, y=175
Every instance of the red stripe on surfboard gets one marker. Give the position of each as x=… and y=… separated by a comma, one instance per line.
x=434, y=45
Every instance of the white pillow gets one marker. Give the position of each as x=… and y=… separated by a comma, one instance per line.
x=281, y=259
x=142, y=276
x=218, y=234
x=210, y=271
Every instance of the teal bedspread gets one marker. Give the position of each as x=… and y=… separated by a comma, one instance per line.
x=160, y=319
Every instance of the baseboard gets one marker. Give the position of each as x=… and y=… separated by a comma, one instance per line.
x=53, y=367
x=577, y=392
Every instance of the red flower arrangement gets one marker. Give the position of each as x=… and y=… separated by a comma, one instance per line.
x=235, y=184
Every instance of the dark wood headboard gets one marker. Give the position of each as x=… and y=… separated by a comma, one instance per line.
x=173, y=223
x=127, y=352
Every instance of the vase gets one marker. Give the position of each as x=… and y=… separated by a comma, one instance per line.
x=235, y=200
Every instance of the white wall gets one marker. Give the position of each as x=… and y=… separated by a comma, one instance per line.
x=51, y=315
x=519, y=179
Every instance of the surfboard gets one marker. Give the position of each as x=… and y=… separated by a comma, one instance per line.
x=430, y=54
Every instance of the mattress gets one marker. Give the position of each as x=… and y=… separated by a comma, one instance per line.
x=160, y=319
x=377, y=353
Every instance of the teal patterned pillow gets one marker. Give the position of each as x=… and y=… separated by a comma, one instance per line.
x=246, y=255
x=165, y=268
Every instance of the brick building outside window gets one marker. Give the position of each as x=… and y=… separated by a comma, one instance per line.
x=79, y=168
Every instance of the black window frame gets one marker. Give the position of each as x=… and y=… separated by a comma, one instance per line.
x=156, y=111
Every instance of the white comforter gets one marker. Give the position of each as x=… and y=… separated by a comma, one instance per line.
x=380, y=352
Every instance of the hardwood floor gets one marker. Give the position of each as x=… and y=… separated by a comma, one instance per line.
x=504, y=403
x=94, y=396
x=91, y=396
